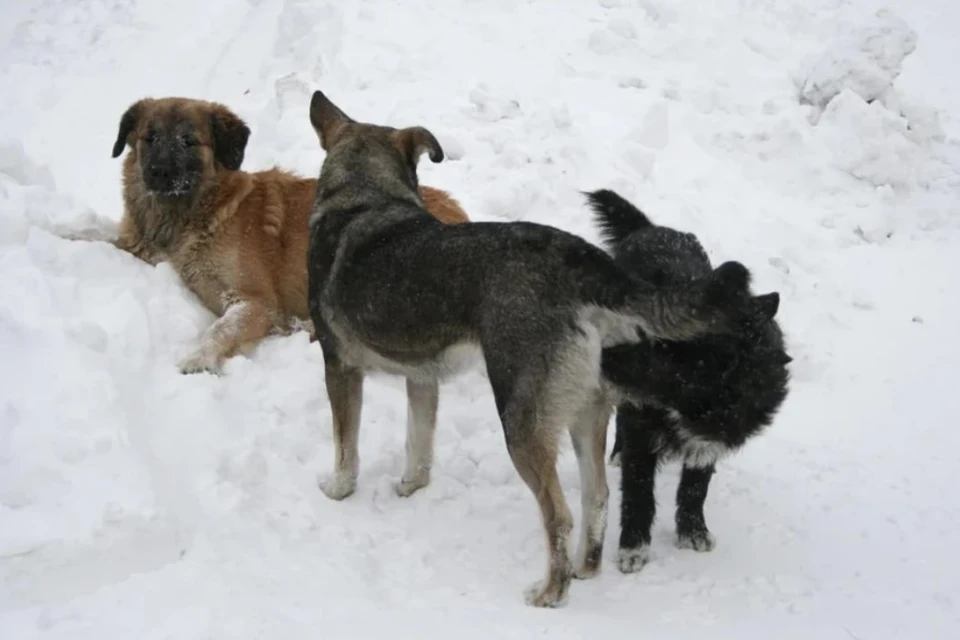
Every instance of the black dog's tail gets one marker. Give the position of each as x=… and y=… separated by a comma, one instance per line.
x=615, y=216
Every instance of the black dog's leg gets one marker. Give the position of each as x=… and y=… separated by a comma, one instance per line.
x=692, y=532
x=636, y=430
x=617, y=446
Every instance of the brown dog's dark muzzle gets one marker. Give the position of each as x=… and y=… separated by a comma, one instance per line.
x=164, y=173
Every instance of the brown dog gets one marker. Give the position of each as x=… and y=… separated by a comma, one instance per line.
x=238, y=240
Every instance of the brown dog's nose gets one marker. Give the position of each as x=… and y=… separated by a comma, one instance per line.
x=159, y=173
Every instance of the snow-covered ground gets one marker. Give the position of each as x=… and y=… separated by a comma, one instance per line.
x=139, y=503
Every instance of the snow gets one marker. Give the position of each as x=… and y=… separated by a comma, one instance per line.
x=866, y=61
x=136, y=502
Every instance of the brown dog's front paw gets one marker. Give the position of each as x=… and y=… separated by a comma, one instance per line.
x=201, y=361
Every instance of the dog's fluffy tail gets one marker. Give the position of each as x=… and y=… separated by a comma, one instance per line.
x=616, y=217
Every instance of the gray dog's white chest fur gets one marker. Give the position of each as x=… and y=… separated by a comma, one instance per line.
x=450, y=362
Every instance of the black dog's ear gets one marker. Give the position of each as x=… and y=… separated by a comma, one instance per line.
x=729, y=284
x=128, y=122
x=414, y=142
x=328, y=119
x=230, y=136
x=766, y=306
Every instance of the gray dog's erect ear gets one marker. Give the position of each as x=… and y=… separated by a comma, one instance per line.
x=414, y=142
x=128, y=122
x=327, y=119
x=230, y=135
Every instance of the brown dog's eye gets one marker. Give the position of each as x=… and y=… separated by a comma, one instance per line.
x=189, y=141
x=150, y=138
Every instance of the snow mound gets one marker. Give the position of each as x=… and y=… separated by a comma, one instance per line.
x=17, y=166
x=28, y=197
x=923, y=121
x=72, y=487
x=866, y=62
x=870, y=142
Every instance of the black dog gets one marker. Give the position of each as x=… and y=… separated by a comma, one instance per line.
x=698, y=399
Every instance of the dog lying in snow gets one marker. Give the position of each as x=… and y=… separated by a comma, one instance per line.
x=697, y=399
x=238, y=239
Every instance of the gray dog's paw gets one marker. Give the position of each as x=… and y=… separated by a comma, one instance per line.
x=338, y=486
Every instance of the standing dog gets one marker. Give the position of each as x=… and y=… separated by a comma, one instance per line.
x=392, y=289
x=238, y=240
x=697, y=400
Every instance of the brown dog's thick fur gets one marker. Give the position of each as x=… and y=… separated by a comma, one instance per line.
x=237, y=239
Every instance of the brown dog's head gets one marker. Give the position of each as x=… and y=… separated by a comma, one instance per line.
x=179, y=142
x=382, y=147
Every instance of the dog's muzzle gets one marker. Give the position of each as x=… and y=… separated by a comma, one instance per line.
x=163, y=181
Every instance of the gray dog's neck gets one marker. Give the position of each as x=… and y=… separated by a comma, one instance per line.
x=354, y=181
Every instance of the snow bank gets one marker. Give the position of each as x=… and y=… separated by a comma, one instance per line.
x=29, y=196
x=865, y=62
x=869, y=141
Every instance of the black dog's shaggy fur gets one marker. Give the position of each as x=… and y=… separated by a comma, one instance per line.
x=697, y=400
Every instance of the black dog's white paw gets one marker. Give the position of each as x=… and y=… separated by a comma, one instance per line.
x=700, y=540
x=632, y=560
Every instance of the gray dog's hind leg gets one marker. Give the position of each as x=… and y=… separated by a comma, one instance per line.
x=589, y=436
x=532, y=438
x=536, y=462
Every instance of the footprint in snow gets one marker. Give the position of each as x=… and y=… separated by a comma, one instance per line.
x=487, y=108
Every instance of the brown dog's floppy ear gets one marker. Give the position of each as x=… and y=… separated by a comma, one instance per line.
x=128, y=122
x=230, y=135
x=414, y=142
x=327, y=119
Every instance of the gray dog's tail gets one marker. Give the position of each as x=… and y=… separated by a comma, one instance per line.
x=615, y=216
x=720, y=302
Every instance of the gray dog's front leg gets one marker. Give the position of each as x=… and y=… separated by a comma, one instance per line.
x=345, y=392
x=422, y=401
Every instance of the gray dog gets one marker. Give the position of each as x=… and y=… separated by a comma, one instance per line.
x=393, y=290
